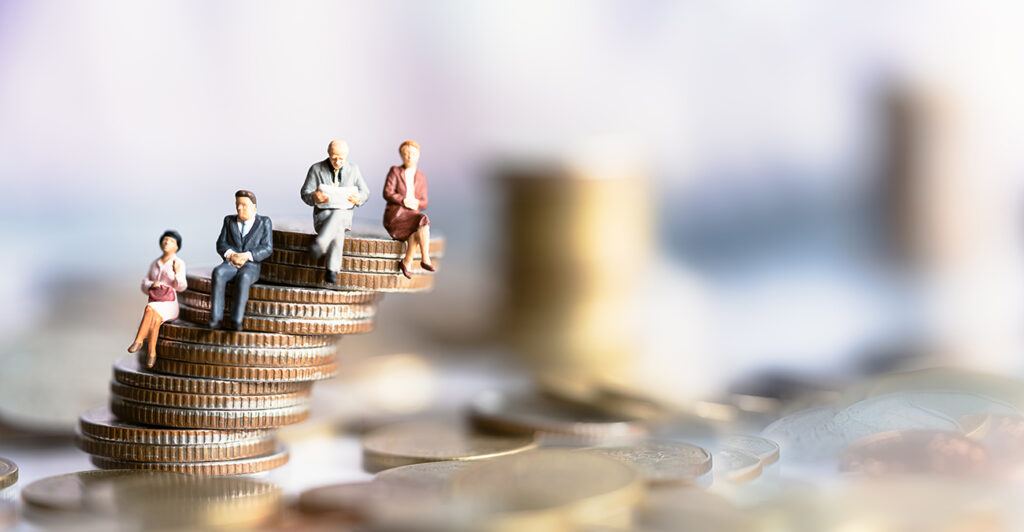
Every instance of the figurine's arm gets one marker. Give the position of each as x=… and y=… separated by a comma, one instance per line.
x=421, y=193
x=180, y=282
x=391, y=194
x=309, y=186
x=149, y=279
x=266, y=242
x=222, y=240
x=364, y=191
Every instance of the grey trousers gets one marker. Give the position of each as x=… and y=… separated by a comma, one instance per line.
x=330, y=229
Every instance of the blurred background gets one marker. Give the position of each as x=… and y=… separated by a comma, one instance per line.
x=665, y=200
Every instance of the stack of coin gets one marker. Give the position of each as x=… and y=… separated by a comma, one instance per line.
x=212, y=400
x=370, y=263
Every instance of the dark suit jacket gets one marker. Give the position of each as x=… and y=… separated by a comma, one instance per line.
x=259, y=241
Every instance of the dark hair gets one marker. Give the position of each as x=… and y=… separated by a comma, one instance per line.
x=246, y=194
x=173, y=234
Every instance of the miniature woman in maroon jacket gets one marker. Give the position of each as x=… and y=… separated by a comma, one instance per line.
x=405, y=190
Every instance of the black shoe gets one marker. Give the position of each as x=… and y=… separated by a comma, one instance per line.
x=235, y=326
x=213, y=325
x=330, y=277
x=315, y=251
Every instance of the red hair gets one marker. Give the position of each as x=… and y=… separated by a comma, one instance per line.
x=412, y=143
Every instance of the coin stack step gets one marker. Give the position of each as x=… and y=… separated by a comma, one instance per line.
x=213, y=399
x=370, y=263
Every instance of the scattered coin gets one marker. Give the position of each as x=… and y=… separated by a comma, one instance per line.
x=8, y=473
x=737, y=466
x=932, y=452
x=551, y=487
x=763, y=448
x=417, y=442
x=547, y=417
x=662, y=462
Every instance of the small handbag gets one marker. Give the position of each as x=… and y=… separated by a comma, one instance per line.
x=161, y=293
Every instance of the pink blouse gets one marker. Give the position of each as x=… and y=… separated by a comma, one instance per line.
x=165, y=274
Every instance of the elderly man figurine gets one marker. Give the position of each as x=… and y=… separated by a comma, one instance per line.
x=333, y=187
x=245, y=240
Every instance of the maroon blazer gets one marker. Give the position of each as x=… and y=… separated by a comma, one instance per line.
x=394, y=187
x=399, y=220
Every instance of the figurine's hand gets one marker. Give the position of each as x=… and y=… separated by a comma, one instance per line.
x=354, y=199
x=319, y=196
x=237, y=260
x=177, y=267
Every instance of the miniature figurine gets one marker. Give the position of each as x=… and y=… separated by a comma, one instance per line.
x=333, y=187
x=165, y=277
x=405, y=190
x=245, y=240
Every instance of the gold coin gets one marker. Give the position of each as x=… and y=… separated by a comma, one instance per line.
x=934, y=452
x=242, y=466
x=246, y=373
x=199, y=280
x=736, y=465
x=144, y=500
x=187, y=332
x=661, y=462
x=424, y=479
x=138, y=452
x=99, y=423
x=763, y=448
x=548, y=417
x=127, y=371
x=354, y=500
x=208, y=402
x=245, y=356
x=349, y=263
x=417, y=442
x=290, y=326
x=668, y=508
x=375, y=282
x=207, y=419
x=550, y=486
x=357, y=244
x=8, y=473
x=85, y=490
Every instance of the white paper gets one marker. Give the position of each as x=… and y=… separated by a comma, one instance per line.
x=337, y=197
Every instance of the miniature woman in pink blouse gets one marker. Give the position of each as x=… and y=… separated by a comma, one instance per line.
x=166, y=276
x=405, y=190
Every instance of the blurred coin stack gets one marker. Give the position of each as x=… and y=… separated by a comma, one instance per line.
x=577, y=239
x=211, y=402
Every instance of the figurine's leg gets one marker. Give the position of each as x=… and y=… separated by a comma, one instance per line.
x=423, y=236
x=336, y=253
x=411, y=244
x=247, y=275
x=326, y=233
x=147, y=317
x=221, y=275
x=154, y=333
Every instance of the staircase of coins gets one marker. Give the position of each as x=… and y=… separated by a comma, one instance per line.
x=211, y=403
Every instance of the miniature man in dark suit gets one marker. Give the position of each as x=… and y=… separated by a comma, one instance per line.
x=245, y=240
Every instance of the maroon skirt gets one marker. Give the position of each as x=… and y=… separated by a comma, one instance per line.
x=401, y=222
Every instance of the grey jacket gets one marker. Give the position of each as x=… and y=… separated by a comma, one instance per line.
x=322, y=173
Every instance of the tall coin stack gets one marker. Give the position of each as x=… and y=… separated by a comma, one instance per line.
x=211, y=403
